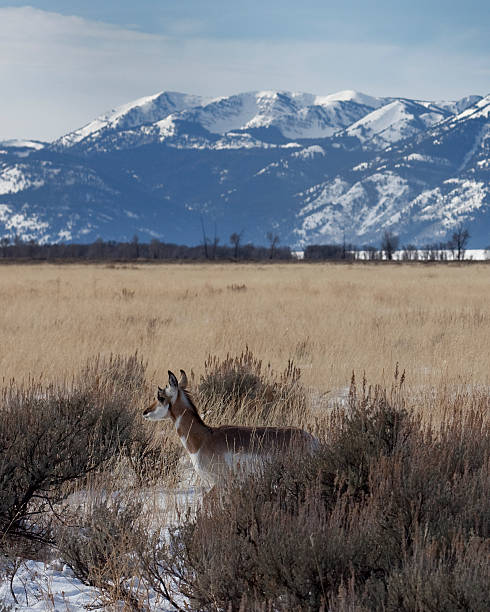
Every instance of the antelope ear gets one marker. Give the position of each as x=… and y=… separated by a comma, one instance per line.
x=161, y=392
x=183, y=380
x=172, y=380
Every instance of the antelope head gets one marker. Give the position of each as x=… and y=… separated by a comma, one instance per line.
x=160, y=408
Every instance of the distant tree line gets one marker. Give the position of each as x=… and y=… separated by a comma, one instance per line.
x=154, y=250
x=454, y=248
x=330, y=251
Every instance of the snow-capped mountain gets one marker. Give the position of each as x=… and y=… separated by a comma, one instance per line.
x=395, y=121
x=191, y=121
x=424, y=187
x=295, y=115
x=310, y=168
x=147, y=110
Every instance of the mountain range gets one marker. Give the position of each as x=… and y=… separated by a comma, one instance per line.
x=310, y=169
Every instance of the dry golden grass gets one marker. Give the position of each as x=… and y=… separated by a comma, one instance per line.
x=375, y=458
x=434, y=320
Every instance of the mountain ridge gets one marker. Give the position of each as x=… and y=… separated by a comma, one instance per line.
x=310, y=168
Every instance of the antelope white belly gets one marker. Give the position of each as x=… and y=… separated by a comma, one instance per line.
x=243, y=463
x=204, y=468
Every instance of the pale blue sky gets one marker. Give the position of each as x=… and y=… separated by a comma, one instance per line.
x=62, y=63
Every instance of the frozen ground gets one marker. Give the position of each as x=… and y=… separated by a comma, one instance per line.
x=52, y=586
x=41, y=586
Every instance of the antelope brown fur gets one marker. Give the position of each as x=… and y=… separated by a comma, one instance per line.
x=217, y=451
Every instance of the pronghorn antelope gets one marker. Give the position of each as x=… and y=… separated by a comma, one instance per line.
x=217, y=451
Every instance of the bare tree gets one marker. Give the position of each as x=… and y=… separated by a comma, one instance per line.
x=344, y=248
x=235, y=242
x=4, y=242
x=273, y=240
x=214, y=246
x=135, y=243
x=371, y=252
x=154, y=249
x=410, y=252
x=204, y=240
x=389, y=243
x=459, y=241
x=215, y=243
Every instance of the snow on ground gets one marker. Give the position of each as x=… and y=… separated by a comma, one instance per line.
x=46, y=586
x=470, y=254
x=52, y=586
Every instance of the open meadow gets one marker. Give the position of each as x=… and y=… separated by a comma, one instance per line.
x=101, y=507
x=331, y=320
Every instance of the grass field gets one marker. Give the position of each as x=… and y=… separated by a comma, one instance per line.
x=434, y=320
x=388, y=514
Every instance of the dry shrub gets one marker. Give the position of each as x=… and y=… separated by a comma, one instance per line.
x=110, y=539
x=154, y=455
x=241, y=389
x=53, y=436
x=448, y=577
x=389, y=514
x=374, y=423
x=97, y=541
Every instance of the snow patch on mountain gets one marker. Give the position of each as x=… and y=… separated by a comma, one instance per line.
x=172, y=136
x=310, y=152
x=479, y=110
x=349, y=95
x=23, y=224
x=233, y=140
x=446, y=204
x=166, y=128
x=398, y=120
x=326, y=215
x=390, y=190
x=418, y=157
x=14, y=179
x=480, y=141
x=361, y=167
x=23, y=144
x=365, y=205
x=458, y=106
x=386, y=200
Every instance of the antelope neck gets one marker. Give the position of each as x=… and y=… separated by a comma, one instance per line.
x=189, y=429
